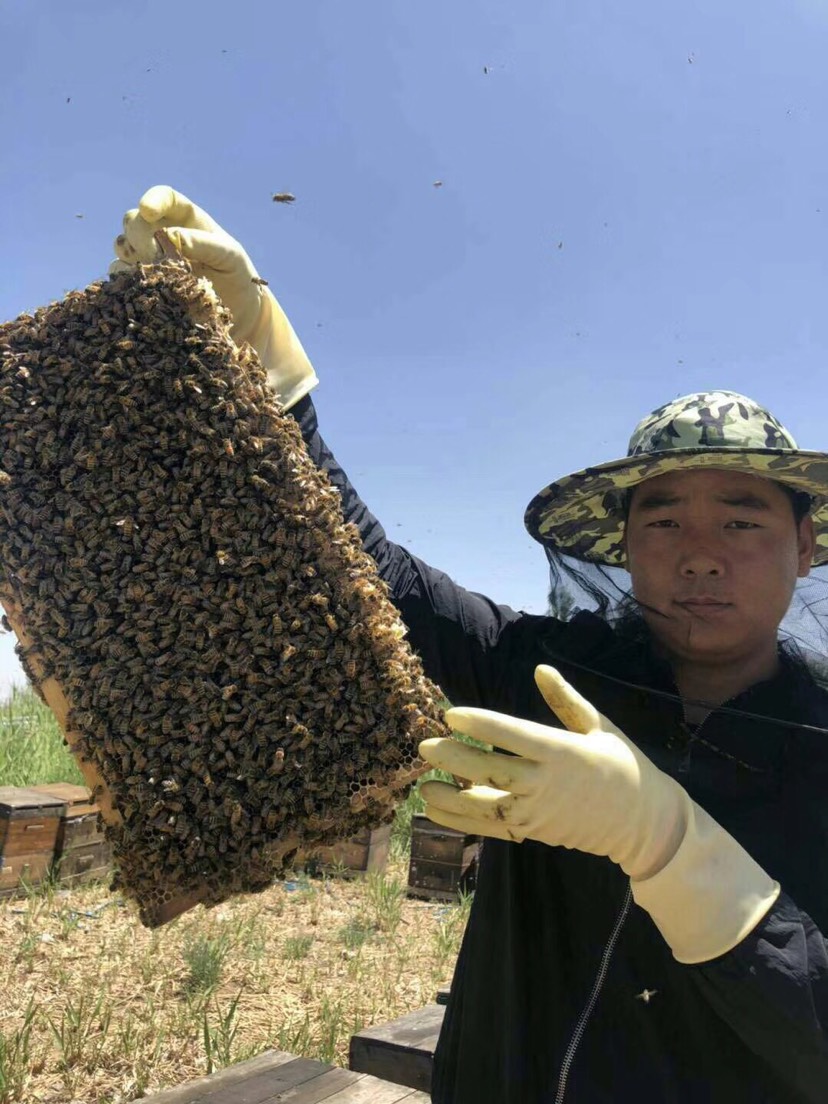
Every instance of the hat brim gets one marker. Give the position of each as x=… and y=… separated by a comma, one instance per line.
x=582, y=515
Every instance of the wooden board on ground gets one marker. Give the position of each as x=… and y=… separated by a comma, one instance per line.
x=277, y=1077
x=401, y=1050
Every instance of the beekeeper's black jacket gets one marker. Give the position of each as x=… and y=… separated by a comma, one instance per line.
x=564, y=989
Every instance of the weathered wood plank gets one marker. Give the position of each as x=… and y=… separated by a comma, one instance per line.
x=402, y=1050
x=270, y=1085
x=410, y=1028
x=319, y=1088
x=401, y=1066
x=369, y=1090
x=203, y=1087
x=277, y=1077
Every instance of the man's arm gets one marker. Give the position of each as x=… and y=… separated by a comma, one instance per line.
x=455, y=631
x=772, y=991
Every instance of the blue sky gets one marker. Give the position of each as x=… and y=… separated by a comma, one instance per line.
x=634, y=205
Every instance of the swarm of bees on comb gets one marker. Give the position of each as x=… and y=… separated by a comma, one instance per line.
x=232, y=675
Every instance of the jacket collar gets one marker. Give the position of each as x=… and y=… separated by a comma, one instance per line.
x=628, y=671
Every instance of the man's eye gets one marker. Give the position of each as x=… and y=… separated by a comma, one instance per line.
x=663, y=523
x=742, y=525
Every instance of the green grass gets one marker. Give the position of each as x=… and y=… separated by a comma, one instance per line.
x=357, y=931
x=205, y=959
x=297, y=946
x=32, y=751
x=16, y=1058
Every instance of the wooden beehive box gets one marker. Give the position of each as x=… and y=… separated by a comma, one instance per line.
x=29, y=824
x=364, y=853
x=443, y=860
x=82, y=853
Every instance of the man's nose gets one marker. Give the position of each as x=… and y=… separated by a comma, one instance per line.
x=701, y=561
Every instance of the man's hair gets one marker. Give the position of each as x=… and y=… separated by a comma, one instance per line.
x=801, y=501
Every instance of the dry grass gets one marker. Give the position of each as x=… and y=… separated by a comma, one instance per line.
x=100, y=1010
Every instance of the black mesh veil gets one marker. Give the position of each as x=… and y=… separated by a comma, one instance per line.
x=576, y=585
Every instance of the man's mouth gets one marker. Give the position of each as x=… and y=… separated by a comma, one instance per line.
x=704, y=605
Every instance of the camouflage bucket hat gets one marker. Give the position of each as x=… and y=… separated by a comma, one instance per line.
x=582, y=515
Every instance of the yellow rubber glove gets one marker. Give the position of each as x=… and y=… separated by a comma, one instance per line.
x=592, y=790
x=258, y=319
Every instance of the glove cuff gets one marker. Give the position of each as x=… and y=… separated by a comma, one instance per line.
x=289, y=371
x=710, y=895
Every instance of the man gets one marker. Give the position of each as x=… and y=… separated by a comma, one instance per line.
x=647, y=919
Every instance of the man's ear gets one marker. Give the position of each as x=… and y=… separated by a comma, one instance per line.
x=806, y=545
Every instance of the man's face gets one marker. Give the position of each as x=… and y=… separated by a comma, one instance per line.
x=714, y=557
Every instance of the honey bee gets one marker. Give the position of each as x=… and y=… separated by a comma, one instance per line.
x=283, y=197
x=304, y=735
x=258, y=280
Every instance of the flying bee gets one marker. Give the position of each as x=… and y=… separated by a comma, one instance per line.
x=258, y=280
x=283, y=197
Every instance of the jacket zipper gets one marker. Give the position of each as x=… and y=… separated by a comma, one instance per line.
x=583, y=1019
x=580, y=1026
